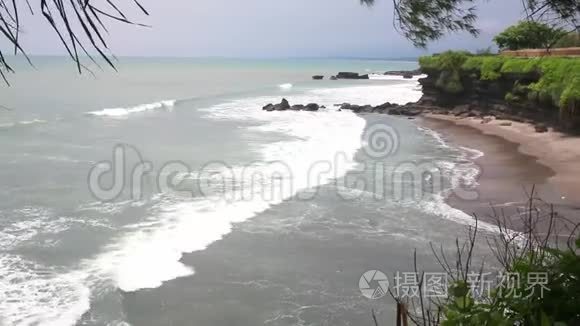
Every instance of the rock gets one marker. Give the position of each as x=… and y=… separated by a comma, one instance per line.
x=323, y=107
x=505, y=124
x=357, y=108
x=499, y=108
x=364, y=77
x=541, y=127
x=297, y=107
x=311, y=107
x=404, y=73
x=394, y=111
x=333, y=78
x=284, y=105
x=411, y=112
x=346, y=106
x=347, y=75
x=317, y=77
x=486, y=120
x=460, y=110
x=384, y=107
x=367, y=108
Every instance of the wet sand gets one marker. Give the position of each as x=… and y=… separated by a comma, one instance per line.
x=516, y=159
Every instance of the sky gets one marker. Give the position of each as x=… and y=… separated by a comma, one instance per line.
x=271, y=28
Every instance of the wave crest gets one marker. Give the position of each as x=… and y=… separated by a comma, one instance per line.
x=120, y=112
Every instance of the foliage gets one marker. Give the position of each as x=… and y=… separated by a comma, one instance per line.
x=79, y=24
x=540, y=283
x=558, y=77
x=560, y=81
x=449, y=63
x=422, y=21
x=568, y=41
x=528, y=35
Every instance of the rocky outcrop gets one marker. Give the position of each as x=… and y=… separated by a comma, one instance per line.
x=317, y=77
x=407, y=74
x=351, y=75
x=506, y=98
x=284, y=106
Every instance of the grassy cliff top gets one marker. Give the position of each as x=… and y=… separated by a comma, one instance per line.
x=559, y=76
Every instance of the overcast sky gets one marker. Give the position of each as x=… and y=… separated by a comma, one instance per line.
x=273, y=28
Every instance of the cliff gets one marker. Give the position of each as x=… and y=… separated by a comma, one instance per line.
x=537, y=90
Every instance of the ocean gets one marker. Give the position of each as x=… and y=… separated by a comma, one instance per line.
x=162, y=194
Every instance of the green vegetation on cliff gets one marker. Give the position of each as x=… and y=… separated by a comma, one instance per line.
x=557, y=78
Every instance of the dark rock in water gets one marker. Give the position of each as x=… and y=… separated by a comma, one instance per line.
x=505, y=124
x=486, y=120
x=404, y=73
x=357, y=108
x=541, y=127
x=405, y=111
x=284, y=105
x=385, y=106
x=312, y=107
x=323, y=107
x=317, y=77
x=347, y=75
x=363, y=76
x=345, y=106
x=333, y=78
x=297, y=107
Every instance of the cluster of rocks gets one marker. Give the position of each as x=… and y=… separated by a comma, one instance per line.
x=407, y=74
x=486, y=114
x=284, y=106
x=343, y=75
x=408, y=110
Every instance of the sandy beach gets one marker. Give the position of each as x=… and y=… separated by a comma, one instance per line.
x=516, y=158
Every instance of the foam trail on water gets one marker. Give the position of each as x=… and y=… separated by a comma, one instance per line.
x=121, y=112
x=286, y=86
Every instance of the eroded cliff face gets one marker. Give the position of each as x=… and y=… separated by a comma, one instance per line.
x=507, y=97
x=483, y=97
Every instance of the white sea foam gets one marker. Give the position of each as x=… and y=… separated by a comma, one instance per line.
x=286, y=86
x=122, y=112
x=22, y=123
x=35, y=295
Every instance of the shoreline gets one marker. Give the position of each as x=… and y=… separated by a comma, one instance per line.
x=516, y=158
